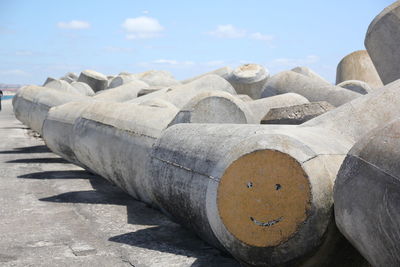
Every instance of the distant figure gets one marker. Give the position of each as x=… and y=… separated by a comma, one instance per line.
x=1, y=95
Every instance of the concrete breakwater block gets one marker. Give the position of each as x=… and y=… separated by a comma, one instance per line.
x=157, y=78
x=121, y=80
x=313, y=90
x=356, y=86
x=358, y=66
x=83, y=88
x=180, y=95
x=222, y=107
x=122, y=93
x=32, y=103
x=296, y=114
x=70, y=77
x=62, y=86
x=367, y=196
x=224, y=72
x=94, y=79
x=234, y=179
x=310, y=73
x=249, y=79
x=382, y=42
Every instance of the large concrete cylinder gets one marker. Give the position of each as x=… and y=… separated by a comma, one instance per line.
x=264, y=192
x=122, y=93
x=62, y=86
x=33, y=103
x=121, y=80
x=180, y=95
x=222, y=107
x=249, y=79
x=157, y=78
x=94, y=79
x=310, y=73
x=114, y=140
x=367, y=196
x=358, y=66
x=224, y=72
x=356, y=86
x=83, y=88
x=313, y=90
x=382, y=42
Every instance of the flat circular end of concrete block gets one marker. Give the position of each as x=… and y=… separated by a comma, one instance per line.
x=249, y=73
x=94, y=74
x=264, y=197
x=389, y=9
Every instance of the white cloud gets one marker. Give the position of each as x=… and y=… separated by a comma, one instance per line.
x=142, y=28
x=261, y=37
x=228, y=31
x=173, y=62
x=145, y=12
x=74, y=24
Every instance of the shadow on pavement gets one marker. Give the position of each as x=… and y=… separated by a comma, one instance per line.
x=47, y=175
x=29, y=149
x=39, y=160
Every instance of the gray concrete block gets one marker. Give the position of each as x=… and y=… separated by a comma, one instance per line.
x=356, y=86
x=70, y=77
x=62, y=86
x=296, y=114
x=121, y=80
x=382, y=42
x=157, y=78
x=367, y=194
x=83, y=88
x=310, y=73
x=313, y=90
x=358, y=66
x=94, y=79
x=125, y=92
x=249, y=79
x=224, y=72
x=264, y=192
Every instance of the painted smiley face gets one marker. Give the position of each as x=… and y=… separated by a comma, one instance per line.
x=263, y=197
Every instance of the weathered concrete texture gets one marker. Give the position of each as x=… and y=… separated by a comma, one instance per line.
x=147, y=91
x=249, y=79
x=313, y=90
x=296, y=114
x=356, y=86
x=83, y=88
x=49, y=79
x=70, y=77
x=62, y=86
x=32, y=103
x=222, y=107
x=180, y=95
x=157, y=78
x=382, y=42
x=224, y=72
x=53, y=213
x=310, y=73
x=121, y=80
x=94, y=79
x=367, y=194
x=358, y=66
x=216, y=179
x=122, y=93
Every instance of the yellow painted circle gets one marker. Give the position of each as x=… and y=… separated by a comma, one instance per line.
x=263, y=197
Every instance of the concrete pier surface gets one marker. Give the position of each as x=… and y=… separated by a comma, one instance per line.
x=56, y=214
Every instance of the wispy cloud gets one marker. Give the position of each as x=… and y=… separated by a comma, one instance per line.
x=74, y=25
x=142, y=27
x=228, y=31
x=23, y=53
x=173, y=62
x=232, y=32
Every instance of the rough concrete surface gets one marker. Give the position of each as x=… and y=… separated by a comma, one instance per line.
x=56, y=214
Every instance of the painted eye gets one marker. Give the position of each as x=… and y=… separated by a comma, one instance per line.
x=249, y=185
x=278, y=186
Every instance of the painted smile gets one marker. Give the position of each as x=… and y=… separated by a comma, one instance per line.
x=266, y=224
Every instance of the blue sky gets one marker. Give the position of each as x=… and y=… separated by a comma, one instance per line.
x=50, y=38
